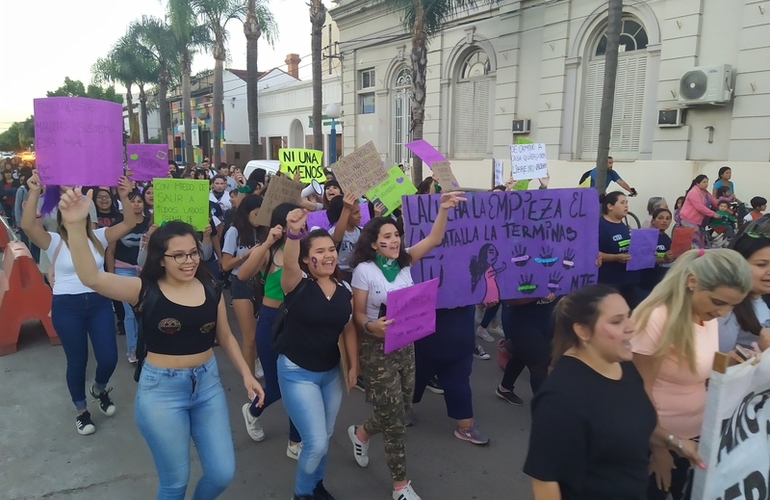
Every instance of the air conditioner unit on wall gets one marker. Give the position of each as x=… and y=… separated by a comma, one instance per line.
x=707, y=85
x=668, y=118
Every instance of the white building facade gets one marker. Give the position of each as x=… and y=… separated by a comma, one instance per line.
x=543, y=61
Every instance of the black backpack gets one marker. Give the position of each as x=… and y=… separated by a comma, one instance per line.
x=146, y=305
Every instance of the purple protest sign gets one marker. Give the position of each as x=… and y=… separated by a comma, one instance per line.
x=147, y=161
x=413, y=311
x=319, y=220
x=425, y=151
x=644, y=243
x=506, y=245
x=78, y=141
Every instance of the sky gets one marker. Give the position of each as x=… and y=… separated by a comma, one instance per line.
x=44, y=41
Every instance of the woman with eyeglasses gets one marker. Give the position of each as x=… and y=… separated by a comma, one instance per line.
x=179, y=395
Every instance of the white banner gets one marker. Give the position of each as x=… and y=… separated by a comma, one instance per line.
x=497, y=167
x=735, y=438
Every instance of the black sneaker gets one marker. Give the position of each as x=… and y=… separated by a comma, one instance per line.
x=121, y=328
x=434, y=387
x=84, y=424
x=360, y=384
x=320, y=493
x=509, y=396
x=105, y=403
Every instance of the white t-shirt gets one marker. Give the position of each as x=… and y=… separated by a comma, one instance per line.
x=66, y=281
x=231, y=246
x=731, y=333
x=349, y=240
x=367, y=276
x=223, y=202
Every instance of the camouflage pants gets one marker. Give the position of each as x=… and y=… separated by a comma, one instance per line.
x=389, y=387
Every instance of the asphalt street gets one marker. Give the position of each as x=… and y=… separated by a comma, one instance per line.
x=43, y=456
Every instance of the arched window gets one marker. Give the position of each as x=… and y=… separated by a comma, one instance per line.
x=402, y=106
x=629, y=92
x=472, y=97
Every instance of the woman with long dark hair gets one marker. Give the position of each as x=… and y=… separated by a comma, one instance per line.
x=614, y=239
x=77, y=312
x=179, y=395
x=383, y=264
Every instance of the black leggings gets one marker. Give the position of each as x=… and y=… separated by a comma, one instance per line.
x=531, y=339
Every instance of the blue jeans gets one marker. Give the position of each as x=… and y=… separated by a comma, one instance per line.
x=76, y=318
x=312, y=400
x=269, y=357
x=171, y=406
x=129, y=321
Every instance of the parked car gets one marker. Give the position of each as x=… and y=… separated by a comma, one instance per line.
x=270, y=166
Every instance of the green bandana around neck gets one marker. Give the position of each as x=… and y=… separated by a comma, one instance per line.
x=389, y=267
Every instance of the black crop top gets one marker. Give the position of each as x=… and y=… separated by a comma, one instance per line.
x=178, y=330
x=314, y=324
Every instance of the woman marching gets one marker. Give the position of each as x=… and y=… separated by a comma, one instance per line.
x=382, y=264
x=179, y=395
x=77, y=312
x=309, y=358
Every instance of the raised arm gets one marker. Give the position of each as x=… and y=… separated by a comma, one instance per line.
x=342, y=224
x=114, y=233
x=74, y=211
x=255, y=261
x=29, y=223
x=422, y=247
x=295, y=225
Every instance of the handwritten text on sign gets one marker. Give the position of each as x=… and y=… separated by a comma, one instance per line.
x=360, y=171
x=734, y=442
x=78, y=141
x=306, y=161
x=511, y=244
x=182, y=199
x=413, y=311
x=528, y=161
x=147, y=161
x=390, y=191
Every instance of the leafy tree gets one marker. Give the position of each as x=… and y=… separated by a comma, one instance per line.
x=75, y=88
x=317, y=19
x=259, y=21
x=19, y=136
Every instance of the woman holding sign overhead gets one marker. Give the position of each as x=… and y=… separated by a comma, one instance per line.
x=383, y=264
x=76, y=311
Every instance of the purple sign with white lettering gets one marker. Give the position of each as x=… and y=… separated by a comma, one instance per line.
x=147, y=161
x=507, y=245
x=78, y=141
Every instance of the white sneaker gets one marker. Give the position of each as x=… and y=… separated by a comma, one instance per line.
x=253, y=425
x=483, y=334
x=496, y=330
x=259, y=372
x=132, y=357
x=360, y=449
x=293, y=450
x=406, y=493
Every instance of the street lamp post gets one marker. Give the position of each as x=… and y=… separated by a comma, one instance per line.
x=180, y=129
x=333, y=112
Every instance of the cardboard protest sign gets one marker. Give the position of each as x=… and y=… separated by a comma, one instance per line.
x=78, y=141
x=734, y=436
x=307, y=161
x=425, y=152
x=442, y=172
x=413, y=311
x=390, y=191
x=528, y=161
x=281, y=189
x=681, y=240
x=506, y=245
x=360, y=171
x=319, y=220
x=182, y=199
x=147, y=161
x=497, y=172
x=644, y=244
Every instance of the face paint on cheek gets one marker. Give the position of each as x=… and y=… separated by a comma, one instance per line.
x=315, y=262
x=383, y=245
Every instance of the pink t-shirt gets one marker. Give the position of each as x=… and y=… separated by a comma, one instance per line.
x=678, y=393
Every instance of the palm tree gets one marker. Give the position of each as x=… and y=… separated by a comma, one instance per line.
x=189, y=35
x=614, y=22
x=423, y=19
x=317, y=19
x=216, y=14
x=259, y=21
x=157, y=43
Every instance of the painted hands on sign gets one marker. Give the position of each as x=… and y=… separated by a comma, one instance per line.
x=74, y=207
x=451, y=200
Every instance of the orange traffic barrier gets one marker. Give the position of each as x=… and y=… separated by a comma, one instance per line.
x=23, y=296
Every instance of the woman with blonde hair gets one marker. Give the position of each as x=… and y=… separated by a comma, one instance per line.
x=677, y=337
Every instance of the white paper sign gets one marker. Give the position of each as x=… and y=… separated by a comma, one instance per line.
x=497, y=165
x=734, y=438
x=528, y=161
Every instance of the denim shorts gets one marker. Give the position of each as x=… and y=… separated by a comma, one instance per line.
x=241, y=289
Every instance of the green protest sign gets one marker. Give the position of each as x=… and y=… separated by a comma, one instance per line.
x=306, y=161
x=390, y=191
x=182, y=199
